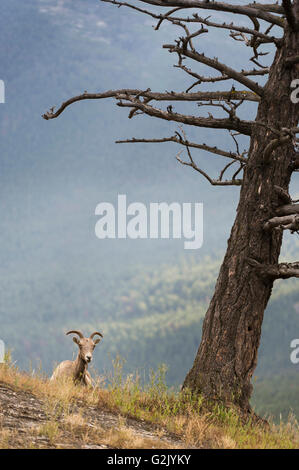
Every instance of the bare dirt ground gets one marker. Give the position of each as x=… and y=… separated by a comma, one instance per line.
x=26, y=423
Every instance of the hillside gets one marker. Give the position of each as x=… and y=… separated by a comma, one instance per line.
x=149, y=316
x=37, y=414
x=148, y=297
x=27, y=422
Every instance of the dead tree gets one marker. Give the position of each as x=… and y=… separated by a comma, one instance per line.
x=227, y=355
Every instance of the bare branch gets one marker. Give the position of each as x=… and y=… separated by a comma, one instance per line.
x=230, y=26
x=216, y=6
x=288, y=209
x=275, y=271
x=213, y=182
x=287, y=222
x=172, y=96
x=179, y=140
x=236, y=142
x=241, y=167
x=223, y=77
x=244, y=127
x=271, y=7
x=224, y=170
x=215, y=64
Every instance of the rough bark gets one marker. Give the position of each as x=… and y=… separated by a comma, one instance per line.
x=227, y=355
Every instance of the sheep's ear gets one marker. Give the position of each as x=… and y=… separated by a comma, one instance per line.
x=96, y=341
x=75, y=339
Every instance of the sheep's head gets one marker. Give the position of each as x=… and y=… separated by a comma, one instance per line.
x=86, y=345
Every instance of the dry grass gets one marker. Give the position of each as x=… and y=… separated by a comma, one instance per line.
x=120, y=436
x=57, y=393
x=5, y=438
x=50, y=430
x=196, y=422
x=189, y=418
x=124, y=437
x=75, y=420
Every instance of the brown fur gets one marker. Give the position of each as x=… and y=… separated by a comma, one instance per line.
x=77, y=369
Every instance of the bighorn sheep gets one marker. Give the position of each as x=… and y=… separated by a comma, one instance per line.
x=78, y=368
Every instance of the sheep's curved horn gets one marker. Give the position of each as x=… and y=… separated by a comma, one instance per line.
x=95, y=333
x=76, y=333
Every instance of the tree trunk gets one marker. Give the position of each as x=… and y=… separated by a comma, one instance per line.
x=227, y=355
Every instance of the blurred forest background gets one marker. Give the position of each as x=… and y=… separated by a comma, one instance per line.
x=148, y=297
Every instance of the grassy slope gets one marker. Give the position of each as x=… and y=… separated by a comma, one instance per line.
x=148, y=336
x=155, y=316
x=190, y=421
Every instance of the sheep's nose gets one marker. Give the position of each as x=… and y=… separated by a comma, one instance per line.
x=88, y=357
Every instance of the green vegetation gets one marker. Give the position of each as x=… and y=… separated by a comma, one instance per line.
x=188, y=420
x=150, y=316
x=55, y=275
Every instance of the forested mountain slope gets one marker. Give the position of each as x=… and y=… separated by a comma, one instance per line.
x=153, y=316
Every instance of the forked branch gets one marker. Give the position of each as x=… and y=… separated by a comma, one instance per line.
x=215, y=64
x=149, y=95
x=287, y=222
x=213, y=182
x=177, y=138
x=246, y=10
x=275, y=271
